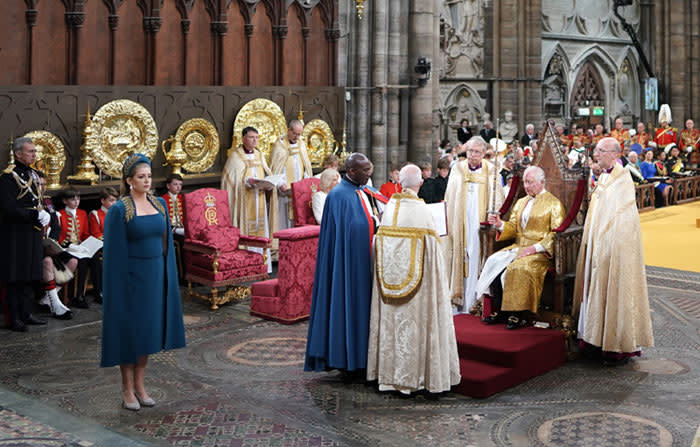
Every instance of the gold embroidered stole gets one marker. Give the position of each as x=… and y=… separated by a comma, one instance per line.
x=254, y=197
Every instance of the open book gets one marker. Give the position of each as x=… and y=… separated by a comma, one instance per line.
x=271, y=181
x=439, y=212
x=86, y=249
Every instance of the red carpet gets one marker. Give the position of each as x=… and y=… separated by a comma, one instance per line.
x=493, y=358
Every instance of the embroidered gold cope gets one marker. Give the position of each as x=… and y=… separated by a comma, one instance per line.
x=610, y=294
x=468, y=196
x=412, y=343
x=248, y=206
x=525, y=276
x=294, y=162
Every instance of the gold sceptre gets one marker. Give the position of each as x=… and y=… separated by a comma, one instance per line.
x=300, y=116
x=86, y=170
x=492, y=207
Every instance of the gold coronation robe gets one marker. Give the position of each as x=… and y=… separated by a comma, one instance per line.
x=610, y=294
x=525, y=276
x=294, y=162
x=412, y=344
x=248, y=206
x=465, y=211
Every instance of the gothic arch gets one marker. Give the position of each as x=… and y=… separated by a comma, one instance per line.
x=556, y=50
x=555, y=83
x=462, y=102
x=601, y=68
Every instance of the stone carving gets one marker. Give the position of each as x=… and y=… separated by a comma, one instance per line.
x=462, y=42
x=554, y=87
x=508, y=129
x=587, y=17
x=462, y=102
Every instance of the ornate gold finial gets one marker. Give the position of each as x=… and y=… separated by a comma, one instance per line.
x=360, y=4
x=300, y=116
x=86, y=169
x=176, y=156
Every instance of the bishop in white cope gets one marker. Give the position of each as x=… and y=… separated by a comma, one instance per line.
x=291, y=160
x=412, y=343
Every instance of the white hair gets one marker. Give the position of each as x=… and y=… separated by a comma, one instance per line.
x=530, y=126
x=410, y=176
x=537, y=172
x=327, y=177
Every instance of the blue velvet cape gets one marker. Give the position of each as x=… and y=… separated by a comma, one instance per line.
x=340, y=304
x=144, y=318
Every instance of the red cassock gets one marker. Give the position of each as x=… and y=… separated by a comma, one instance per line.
x=390, y=188
x=96, y=221
x=73, y=229
x=665, y=136
x=174, y=209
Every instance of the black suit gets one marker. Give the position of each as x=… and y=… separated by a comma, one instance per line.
x=20, y=239
x=525, y=140
x=464, y=134
x=487, y=134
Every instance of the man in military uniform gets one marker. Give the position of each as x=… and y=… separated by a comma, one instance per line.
x=22, y=222
x=642, y=137
x=666, y=134
x=621, y=134
x=689, y=143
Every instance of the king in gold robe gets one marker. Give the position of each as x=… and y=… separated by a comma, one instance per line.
x=291, y=159
x=248, y=202
x=610, y=294
x=412, y=344
x=471, y=190
x=532, y=223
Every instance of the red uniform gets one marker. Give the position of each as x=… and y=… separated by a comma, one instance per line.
x=96, y=221
x=622, y=136
x=390, y=188
x=174, y=209
x=642, y=138
x=689, y=138
x=73, y=229
x=665, y=136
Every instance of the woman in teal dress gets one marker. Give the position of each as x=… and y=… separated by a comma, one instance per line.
x=141, y=311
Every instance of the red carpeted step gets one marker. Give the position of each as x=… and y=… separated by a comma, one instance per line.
x=494, y=358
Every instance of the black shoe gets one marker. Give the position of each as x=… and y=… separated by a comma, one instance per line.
x=68, y=315
x=494, y=318
x=18, y=326
x=98, y=298
x=515, y=322
x=616, y=362
x=80, y=302
x=32, y=319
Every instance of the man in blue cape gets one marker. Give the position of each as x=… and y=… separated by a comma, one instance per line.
x=340, y=304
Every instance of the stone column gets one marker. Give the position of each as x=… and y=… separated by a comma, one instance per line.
x=379, y=81
x=360, y=96
x=394, y=63
x=421, y=32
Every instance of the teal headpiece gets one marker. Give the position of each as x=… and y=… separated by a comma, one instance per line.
x=131, y=161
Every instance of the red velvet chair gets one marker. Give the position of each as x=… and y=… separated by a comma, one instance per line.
x=287, y=298
x=212, y=248
x=301, y=201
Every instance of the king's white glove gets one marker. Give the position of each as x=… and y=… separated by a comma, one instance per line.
x=44, y=218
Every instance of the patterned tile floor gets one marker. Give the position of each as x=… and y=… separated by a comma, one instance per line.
x=240, y=382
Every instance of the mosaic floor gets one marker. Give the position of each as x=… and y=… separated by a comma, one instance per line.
x=240, y=382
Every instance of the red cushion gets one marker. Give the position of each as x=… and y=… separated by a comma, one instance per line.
x=297, y=233
x=221, y=237
x=266, y=288
x=227, y=261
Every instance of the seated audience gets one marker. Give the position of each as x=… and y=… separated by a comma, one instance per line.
x=650, y=169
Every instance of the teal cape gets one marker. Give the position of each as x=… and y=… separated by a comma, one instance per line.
x=342, y=292
x=141, y=310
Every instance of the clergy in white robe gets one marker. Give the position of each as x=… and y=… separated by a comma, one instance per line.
x=523, y=264
x=474, y=186
x=290, y=159
x=610, y=293
x=412, y=344
x=247, y=194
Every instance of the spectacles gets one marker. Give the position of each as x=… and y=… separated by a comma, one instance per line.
x=474, y=151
